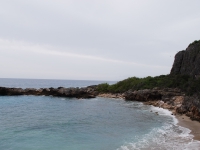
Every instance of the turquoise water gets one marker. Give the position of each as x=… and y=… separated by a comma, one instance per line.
x=54, y=123
x=45, y=123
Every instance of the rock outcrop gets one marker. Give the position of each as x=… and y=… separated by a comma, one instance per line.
x=152, y=94
x=168, y=98
x=87, y=92
x=190, y=107
x=187, y=62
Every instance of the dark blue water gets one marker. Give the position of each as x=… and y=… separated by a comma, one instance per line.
x=49, y=123
x=47, y=83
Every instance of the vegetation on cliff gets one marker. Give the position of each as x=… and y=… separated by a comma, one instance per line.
x=186, y=83
x=183, y=83
x=185, y=75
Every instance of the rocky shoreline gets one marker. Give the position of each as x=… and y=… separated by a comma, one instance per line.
x=87, y=92
x=173, y=99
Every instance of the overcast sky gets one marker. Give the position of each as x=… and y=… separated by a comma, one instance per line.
x=94, y=39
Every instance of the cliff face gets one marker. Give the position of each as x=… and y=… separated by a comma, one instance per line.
x=187, y=62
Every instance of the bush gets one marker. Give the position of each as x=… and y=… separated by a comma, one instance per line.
x=183, y=82
x=103, y=87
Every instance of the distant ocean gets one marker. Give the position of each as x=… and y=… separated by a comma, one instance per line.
x=47, y=83
x=54, y=123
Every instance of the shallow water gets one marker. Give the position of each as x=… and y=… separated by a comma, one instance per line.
x=41, y=123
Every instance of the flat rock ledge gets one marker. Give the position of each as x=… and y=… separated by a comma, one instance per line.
x=86, y=92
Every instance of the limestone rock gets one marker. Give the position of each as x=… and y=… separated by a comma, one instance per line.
x=187, y=62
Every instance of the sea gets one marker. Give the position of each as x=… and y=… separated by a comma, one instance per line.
x=56, y=123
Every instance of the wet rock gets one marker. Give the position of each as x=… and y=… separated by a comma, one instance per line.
x=87, y=92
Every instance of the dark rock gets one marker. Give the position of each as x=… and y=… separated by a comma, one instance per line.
x=11, y=91
x=178, y=62
x=151, y=95
x=30, y=91
x=87, y=92
x=187, y=62
x=190, y=107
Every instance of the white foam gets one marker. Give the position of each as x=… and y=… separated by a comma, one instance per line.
x=163, y=139
x=164, y=112
x=168, y=137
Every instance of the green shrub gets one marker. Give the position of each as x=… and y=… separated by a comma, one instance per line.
x=103, y=87
x=183, y=82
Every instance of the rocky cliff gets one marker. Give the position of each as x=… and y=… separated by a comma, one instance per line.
x=187, y=62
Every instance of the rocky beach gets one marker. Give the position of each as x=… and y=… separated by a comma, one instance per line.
x=172, y=99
